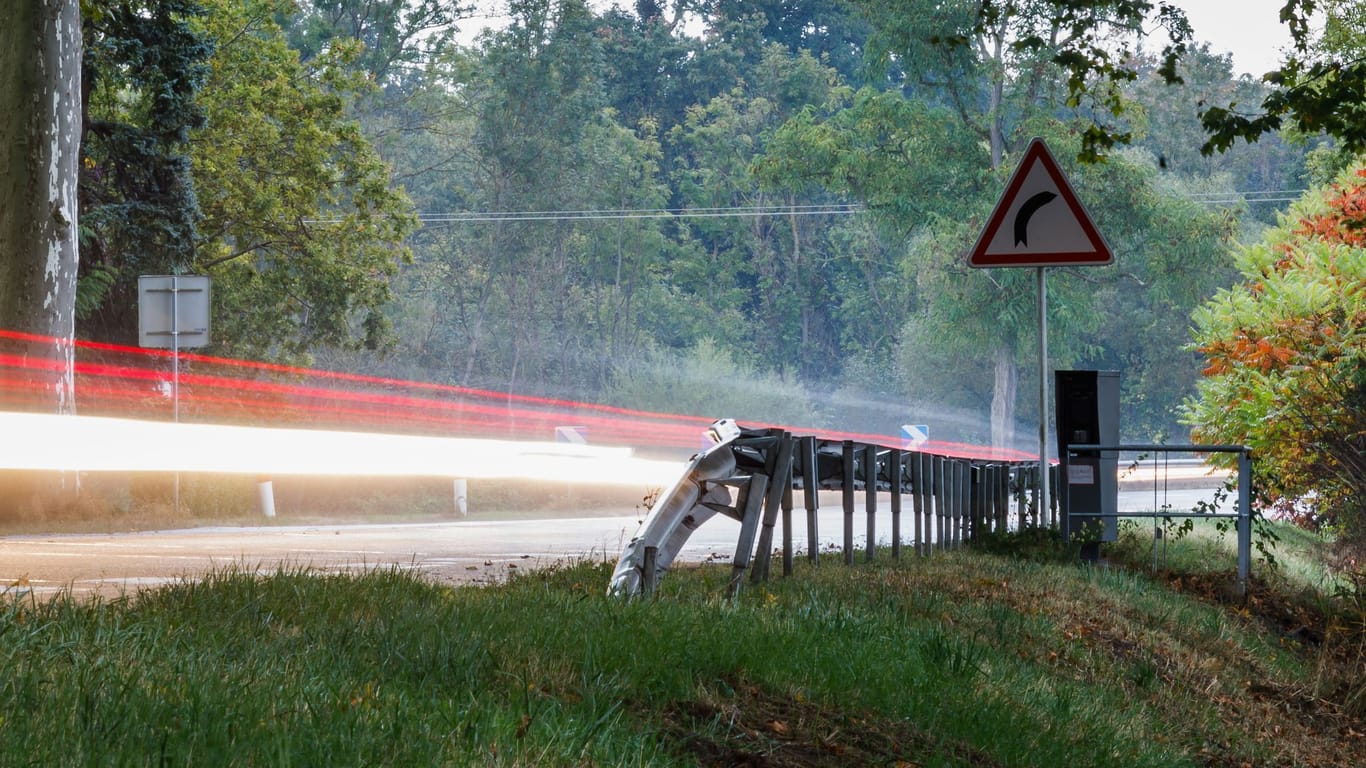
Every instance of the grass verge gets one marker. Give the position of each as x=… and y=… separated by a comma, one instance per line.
x=961, y=659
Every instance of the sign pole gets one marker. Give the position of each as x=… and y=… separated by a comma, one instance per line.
x=1043, y=506
x=175, y=371
x=159, y=325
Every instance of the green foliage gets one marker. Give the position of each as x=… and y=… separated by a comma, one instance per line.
x=301, y=229
x=145, y=67
x=1035, y=544
x=1010, y=56
x=399, y=37
x=1286, y=353
x=708, y=381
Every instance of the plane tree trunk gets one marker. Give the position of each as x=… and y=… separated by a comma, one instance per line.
x=40, y=121
x=40, y=113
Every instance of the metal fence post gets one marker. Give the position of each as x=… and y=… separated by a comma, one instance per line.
x=810, y=478
x=870, y=498
x=1244, y=518
x=753, y=502
x=779, y=476
x=941, y=494
x=918, y=500
x=787, y=511
x=894, y=468
x=847, y=496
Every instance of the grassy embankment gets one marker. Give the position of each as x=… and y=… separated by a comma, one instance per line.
x=963, y=658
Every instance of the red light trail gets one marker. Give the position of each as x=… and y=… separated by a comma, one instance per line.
x=123, y=381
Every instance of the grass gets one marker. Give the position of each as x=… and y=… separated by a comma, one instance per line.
x=959, y=659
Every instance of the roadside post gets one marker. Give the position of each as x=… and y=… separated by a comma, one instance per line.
x=173, y=313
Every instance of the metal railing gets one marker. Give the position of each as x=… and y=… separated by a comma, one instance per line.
x=949, y=500
x=1242, y=515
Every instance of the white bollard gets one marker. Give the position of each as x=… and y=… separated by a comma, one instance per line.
x=265, y=491
x=460, y=498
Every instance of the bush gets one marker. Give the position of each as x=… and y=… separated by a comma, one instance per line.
x=1286, y=357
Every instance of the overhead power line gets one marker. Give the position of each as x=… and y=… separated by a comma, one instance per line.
x=837, y=209
x=833, y=209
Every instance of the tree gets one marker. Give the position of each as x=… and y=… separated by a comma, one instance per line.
x=40, y=87
x=767, y=277
x=399, y=37
x=1001, y=46
x=301, y=230
x=1319, y=88
x=1001, y=70
x=1286, y=356
x=144, y=66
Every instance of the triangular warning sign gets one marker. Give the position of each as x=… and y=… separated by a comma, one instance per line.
x=1038, y=221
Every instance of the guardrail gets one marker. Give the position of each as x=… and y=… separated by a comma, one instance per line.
x=951, y=500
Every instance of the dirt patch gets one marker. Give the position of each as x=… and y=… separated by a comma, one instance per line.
x=1319, y=723
x=749, y=726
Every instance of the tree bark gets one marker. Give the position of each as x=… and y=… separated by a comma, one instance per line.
x=40, y=113
x=1007, y=377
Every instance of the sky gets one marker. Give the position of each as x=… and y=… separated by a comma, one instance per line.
x=1249, y=29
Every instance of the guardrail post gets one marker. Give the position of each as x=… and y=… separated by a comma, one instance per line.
x=787, y=511
x=753, y=502
x=940, y=495
x=1022, y=495
x=649, y=572
x=960, y=498
x=1003, y=498
x=977, y=485
x=460, y=489
x=919, y=499
x=894, y=468
x=265, y=494
x=779, y=466
x=870, y=498
x=847, y=496
x=811, y=498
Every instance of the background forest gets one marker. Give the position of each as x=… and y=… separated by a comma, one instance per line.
x=748, y=209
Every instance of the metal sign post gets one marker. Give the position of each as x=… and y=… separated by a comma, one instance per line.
x=1043, y=394
x=1048, y=226
x=173, y=313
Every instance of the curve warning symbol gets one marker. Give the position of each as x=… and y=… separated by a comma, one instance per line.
x=1041, y=232
x=1026, y=212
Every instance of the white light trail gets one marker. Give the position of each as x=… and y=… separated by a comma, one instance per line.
x=83, y=443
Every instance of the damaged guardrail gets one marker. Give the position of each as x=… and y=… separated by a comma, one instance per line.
x=750, y=475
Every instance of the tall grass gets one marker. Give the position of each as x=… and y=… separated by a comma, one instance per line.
x=964, y=659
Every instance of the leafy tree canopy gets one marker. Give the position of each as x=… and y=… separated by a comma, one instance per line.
x=301, y=229
x=1320, y=88
x=1286, y=355
x=143, y=69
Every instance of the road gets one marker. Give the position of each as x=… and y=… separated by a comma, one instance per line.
x=456, y=552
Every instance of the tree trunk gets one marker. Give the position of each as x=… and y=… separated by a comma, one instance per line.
x=1007, y=376
x=40, y=109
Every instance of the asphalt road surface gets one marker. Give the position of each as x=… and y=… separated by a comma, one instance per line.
x=456, y=552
